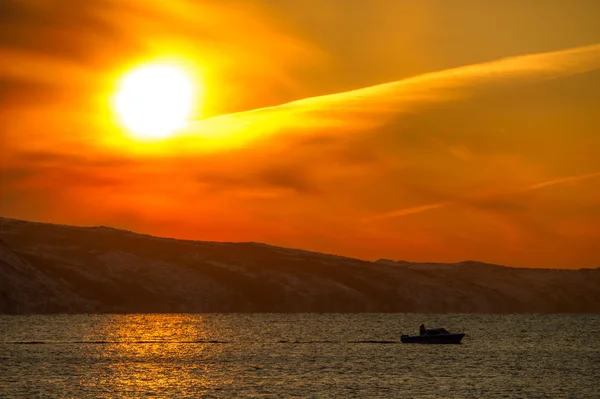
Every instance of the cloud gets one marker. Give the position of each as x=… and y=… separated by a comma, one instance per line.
x=563, y=180
x=272, y=180
x=373, y=106
x=495, y=202
x=408, y=211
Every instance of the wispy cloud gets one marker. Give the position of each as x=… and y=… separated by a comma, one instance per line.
x=477, y=200
x=562, y=180
x=408, y=211
x=372, y=106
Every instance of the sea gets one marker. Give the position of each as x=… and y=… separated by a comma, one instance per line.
x=297, y=356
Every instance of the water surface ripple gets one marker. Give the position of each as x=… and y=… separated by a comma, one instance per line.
x=297, y=355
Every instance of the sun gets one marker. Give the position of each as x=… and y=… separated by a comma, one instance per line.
x=154, y=100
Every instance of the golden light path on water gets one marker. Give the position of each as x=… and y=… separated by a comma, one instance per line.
x=156, y=339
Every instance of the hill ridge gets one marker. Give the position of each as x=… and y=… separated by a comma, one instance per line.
x=48, y=268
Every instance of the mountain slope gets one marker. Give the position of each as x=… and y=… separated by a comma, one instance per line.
x=55, y=268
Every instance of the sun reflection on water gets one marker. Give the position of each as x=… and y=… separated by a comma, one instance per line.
x=144, y=353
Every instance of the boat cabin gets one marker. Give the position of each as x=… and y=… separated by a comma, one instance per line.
x=436, y=331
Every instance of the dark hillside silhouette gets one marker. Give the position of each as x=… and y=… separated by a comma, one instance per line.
x=47, y=268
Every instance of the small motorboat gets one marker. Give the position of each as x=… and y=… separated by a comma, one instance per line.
x=433, y=336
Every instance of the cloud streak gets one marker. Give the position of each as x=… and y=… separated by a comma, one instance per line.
x=474, y=201
x=372, y=106
x=562, y=180
x=408, y=211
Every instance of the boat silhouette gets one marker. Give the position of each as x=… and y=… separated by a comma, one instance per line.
x=433, y=336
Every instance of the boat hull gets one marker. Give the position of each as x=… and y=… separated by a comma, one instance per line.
x=432, y=339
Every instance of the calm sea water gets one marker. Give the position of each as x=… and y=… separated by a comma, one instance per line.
x=297, y=355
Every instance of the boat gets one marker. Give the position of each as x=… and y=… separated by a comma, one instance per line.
x=433, y=336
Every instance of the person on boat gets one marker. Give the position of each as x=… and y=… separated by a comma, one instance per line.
x=422, y=329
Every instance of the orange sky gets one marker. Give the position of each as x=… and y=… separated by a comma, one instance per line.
x=424, y=131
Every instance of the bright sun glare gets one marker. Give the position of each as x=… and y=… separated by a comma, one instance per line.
x=154, y=100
